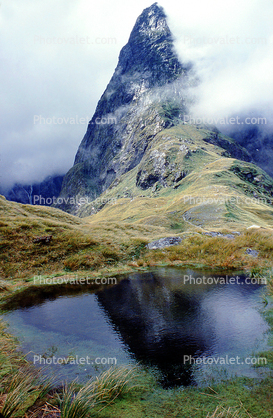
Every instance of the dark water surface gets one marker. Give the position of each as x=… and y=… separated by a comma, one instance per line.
x=155, y=318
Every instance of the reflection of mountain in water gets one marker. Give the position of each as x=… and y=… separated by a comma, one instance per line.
x=161, y=321
x=156, y=324
x=151, y=317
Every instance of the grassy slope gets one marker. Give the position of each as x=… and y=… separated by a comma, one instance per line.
x=241, y=191
x=117, y=236
x=75, y=243
x=114, y=241
x=101, y=246
x=211, y=200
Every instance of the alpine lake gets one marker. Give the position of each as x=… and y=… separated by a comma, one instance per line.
x=188, y=327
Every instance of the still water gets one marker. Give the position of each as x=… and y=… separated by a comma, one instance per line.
x=159, y=319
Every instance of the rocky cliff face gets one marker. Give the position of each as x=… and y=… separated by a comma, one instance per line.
x=259, y=143
x=137, y=143
x=37, y=193
x=129, y=114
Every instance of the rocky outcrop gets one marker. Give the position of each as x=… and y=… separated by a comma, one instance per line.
x=220, y=234
x=164, y=243
x=252, y=253
x=138, y=143
x=258, y=141
x=129, y=114
x=232, y=149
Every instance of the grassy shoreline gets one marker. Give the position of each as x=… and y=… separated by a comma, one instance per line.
x=241, y=397
x=230, y=399
x=108, y=249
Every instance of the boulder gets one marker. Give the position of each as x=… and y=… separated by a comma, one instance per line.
x=164, y=242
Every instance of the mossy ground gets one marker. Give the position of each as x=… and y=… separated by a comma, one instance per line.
x=243, y=396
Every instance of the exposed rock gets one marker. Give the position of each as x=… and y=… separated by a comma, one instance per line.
x=219, y=234
x=146, y=65
x=164, y=242
x=3, y=285
x=250, y=174
x=258, y=141
x=179, y=176
x=42, y=240
x=251, y=252
x=147, y=176
x=232, y=148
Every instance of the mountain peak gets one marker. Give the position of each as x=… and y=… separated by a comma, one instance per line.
x=148, y=60
x=150, y=50
x=151, y=21
x=146, y=64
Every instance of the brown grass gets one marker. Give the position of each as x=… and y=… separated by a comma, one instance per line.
x=217, y=252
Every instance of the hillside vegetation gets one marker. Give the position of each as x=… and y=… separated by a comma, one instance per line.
x=109, y=241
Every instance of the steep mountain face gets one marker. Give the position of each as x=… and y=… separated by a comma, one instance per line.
x=139, y=152
x=126, y=118
x=259, y=143
x=36, y=193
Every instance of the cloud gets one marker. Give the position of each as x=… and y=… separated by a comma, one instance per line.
x=58, y=57
x=231, y=45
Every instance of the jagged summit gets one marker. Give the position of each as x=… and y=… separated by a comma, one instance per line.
x=146, y=63
x=148, y=60
x=150, y=49
x=144, y=149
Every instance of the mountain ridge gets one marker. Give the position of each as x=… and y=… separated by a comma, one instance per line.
x=151, y=152
x=146, y=63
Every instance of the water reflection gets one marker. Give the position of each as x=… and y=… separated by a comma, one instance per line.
x=154, y=318
x=162, y=320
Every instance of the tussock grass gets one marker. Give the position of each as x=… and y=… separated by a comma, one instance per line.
x=75, y=403
x=74, y=246
x=21, y=385
x=107, y=387
x=25, y=393
x=21, y=391
x=113, y=383
x=217, y=251
x=95, y=243
x=222, y=412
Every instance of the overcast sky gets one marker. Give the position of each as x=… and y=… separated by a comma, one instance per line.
x=58, y=56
